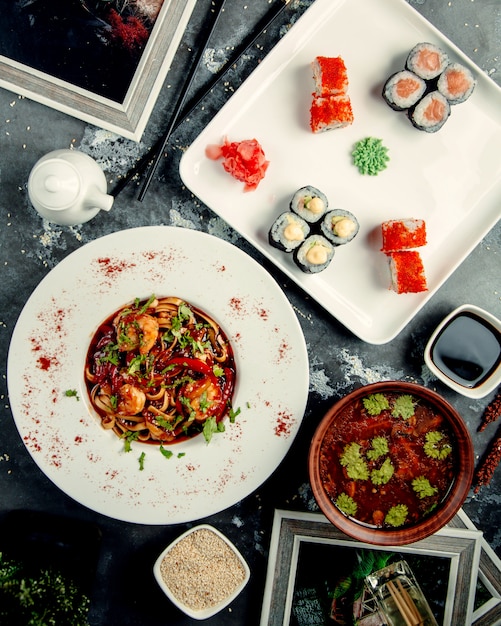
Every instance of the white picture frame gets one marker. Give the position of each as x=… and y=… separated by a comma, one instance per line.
x=128, y=117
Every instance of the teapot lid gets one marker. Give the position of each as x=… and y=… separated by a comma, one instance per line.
x=55, y=184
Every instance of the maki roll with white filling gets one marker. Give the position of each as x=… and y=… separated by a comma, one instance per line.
x=456, y=83
x=431, y=112
x=339, y=226
x=427, y=60
x=309, y=203
x=288, y=231
x=403, y=89
x=314, y=254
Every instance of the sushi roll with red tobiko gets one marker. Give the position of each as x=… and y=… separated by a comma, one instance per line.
x=407, y=272
x=402, y=234
x=431, y=112
x=456, y=83
x=330, y=76
x=403, y=89
x=427, y=60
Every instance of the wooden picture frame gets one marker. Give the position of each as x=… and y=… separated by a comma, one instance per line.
x=458, y=548
x=488, y=612
x=127, y=116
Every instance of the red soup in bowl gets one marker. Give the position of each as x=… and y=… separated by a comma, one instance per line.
x=391, y=463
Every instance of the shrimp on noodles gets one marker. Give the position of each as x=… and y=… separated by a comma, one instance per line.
x=136, y=332
x=159, y=369
x=131, y=400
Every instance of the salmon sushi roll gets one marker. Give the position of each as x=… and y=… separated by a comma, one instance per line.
x=431, y=112
x=427, y=60
x=403, y=89
x=456, y=83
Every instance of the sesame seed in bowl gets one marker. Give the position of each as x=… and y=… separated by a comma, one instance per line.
x=201, y=572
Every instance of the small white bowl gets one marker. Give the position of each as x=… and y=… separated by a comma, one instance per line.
x=479, y=331
x=230, y=567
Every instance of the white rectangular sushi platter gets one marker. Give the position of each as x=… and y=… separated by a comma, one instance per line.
x=451, y=178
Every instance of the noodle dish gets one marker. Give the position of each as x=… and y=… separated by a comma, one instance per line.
x=160, y=371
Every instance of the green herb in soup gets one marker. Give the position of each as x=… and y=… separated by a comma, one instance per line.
x=388, y=460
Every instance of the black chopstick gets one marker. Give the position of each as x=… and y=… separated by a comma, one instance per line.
x=278, y=8
x=179, y=105
x=159, y=146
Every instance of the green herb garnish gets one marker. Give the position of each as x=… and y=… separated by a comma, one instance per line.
x=128, y=438
x=356, y=467
x=142, y=456
x=382, y=475
x=71, y=393
x=233, y=414
x=111, y=354
x=211, y=426
x=435, y=447
x=184, y=311
x=346, y=503
x=376, y=403
x=379, y=448
x=167, y=453
x=218, y=371
x=146, y=305
x=204, y=402
x=423, y=488
x=397, y=515
x=403, y=407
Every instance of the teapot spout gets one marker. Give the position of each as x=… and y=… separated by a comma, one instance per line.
x=96, y=199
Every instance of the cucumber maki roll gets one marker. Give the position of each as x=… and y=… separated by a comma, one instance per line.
x=456, y=83
x=314, y=254
x=431, y=112
x=403, y=89
x=288, y=232
x=309, y=203
x=339, y=226
x=427, y=60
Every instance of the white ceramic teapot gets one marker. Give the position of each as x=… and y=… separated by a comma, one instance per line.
x=68, y=187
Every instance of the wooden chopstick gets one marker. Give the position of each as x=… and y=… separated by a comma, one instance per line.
x=159, y=146
x=405, y=604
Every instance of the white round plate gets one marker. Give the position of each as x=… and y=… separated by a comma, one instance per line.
x=64, y=436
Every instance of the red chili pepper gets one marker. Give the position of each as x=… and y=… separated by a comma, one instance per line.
x=196, y=365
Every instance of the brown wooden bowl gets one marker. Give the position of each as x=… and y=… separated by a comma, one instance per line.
x=450, y=504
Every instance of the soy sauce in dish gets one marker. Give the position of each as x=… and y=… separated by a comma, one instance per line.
x=467, y=350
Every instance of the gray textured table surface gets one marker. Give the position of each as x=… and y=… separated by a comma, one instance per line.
x=125, y=592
